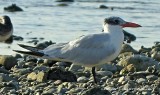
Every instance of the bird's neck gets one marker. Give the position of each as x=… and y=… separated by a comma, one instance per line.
x=112, y=29
x=115, y=32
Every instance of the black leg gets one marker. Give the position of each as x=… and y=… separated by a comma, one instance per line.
x=94, y=74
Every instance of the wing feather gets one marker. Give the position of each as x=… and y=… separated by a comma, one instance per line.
x=86, y=49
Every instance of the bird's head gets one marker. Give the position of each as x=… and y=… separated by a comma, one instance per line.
x=5, y=20
x=119, y=22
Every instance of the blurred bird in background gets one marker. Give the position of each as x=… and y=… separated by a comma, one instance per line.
x=6, y=29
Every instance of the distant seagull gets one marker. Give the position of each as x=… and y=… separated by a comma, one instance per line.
x=6, y=29
x=90, y=50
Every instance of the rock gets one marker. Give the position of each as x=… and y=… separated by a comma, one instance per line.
x=13, y=8
x=82, y=79
x=61, y=89
x=41, y=76
x=146, y=93
x=58, y=74
x=141, y=80
x=49, y=91
x=96, y=91
x=129, y=86
x=107, y=67
x=23, y=71
x=140, y=62
x=44, y=44
x=104, y=73
x=3, y=70
x=64, y=64
x=5, y=90
x=7, y=61
x=62, y=5
x=32, y=76
x=128, y=37
x=152, y=77
x=144, y=50
x=121, y=79
x=127, y=69
x=17, y=38
x=103, y=7
x=34, y=41
x=156, y=55
x=127, y=48
x=6, y=78
x=13, y=84
x=41, y=68
x=125, y=54
x=74, y=67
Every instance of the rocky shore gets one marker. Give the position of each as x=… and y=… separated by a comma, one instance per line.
x=133, y=72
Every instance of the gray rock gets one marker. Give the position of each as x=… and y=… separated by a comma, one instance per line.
x=129, y=86
x=61, y=63
x=23, y=71
x=3, y=70
x=8, y=61
x=146, y=93
x=127, y=48
x=82, y=79
x=156, y=55
x=49, y=91
x=76, y=68
x=141, y=80
x=152, y=77
x=104, y=73
x=13, y=84
x=6, y=78
x=96, y=91
x=140, y=62
x=107, y=67
x=41, y=68
x=5, y=90
x=61, y=89
x=13, y=8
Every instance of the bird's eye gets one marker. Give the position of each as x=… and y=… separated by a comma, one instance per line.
x=116, y=21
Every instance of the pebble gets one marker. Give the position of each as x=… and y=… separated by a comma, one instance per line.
x=141, y=80
x=152, y=77
x=129, y=86
x=74, y=67
x=107, y=67
x=82, y=79
x=104, y=73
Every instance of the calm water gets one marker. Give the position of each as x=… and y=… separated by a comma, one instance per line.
x=43, y=18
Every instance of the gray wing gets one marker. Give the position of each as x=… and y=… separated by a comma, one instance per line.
x=87, y=49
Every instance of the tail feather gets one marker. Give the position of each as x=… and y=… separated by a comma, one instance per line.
x=34, y=49
x=38, y=54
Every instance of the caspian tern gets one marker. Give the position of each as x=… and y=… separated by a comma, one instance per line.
x=90, y=50
x=6, y=29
